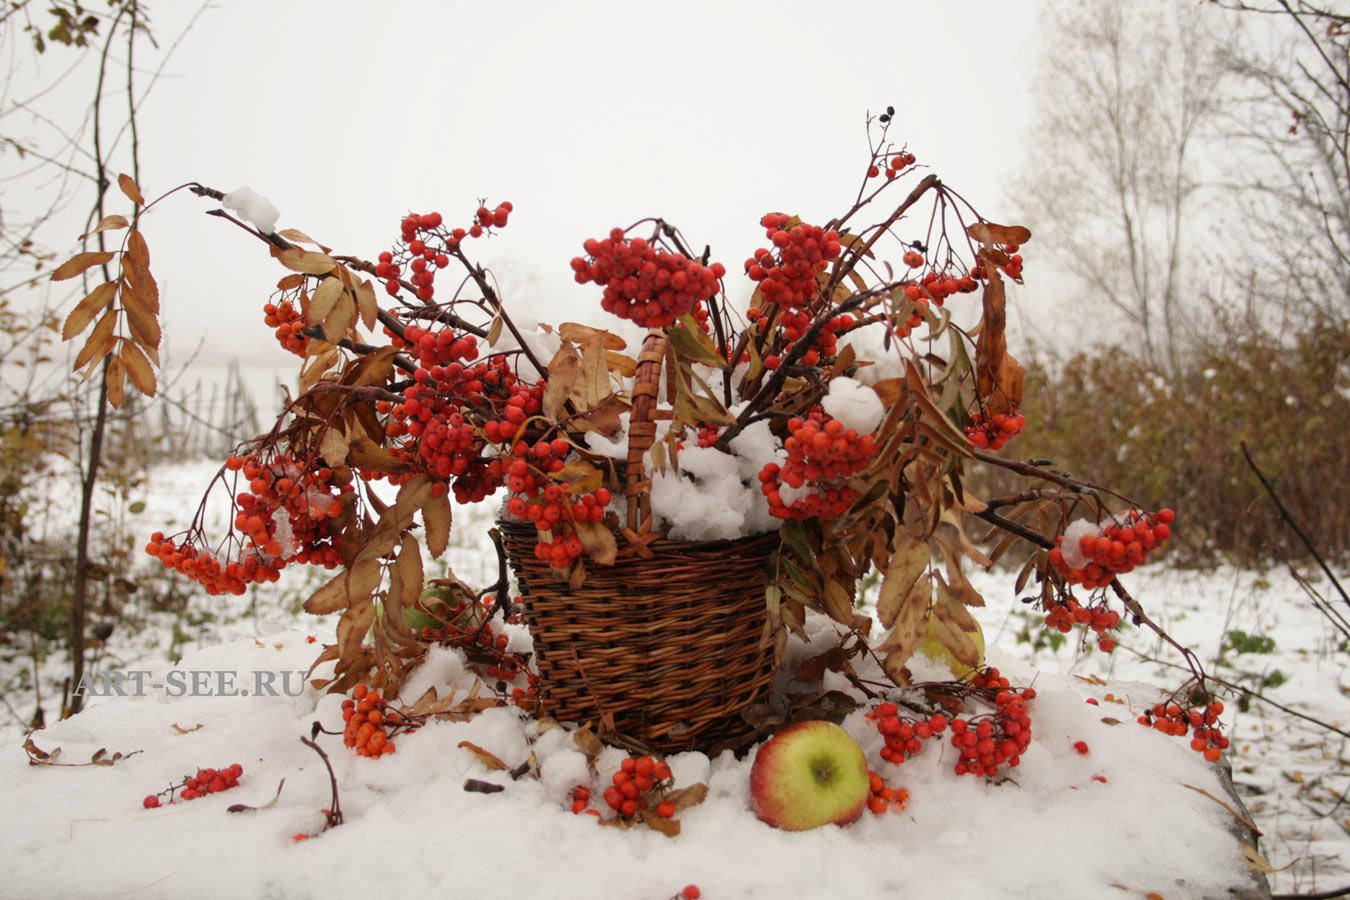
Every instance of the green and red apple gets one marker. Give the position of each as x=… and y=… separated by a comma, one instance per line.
x=809, y=774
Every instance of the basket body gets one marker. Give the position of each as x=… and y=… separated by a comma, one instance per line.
x=667, y=650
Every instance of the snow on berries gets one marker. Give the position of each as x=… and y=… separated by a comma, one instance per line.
x=985, y=742
x=822, y=453
x=1093, y=554
x=647, y=284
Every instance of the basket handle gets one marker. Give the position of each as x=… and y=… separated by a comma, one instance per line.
x=642, y=427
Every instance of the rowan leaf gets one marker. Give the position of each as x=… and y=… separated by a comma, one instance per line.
x=436, y=516
x=107, y=223
x=100, y=342
x=581, y=334
x=95, y=302
x=408, y=565
x=307, y=261
x=138, y=252
x=333, y=446
x=365, y=454
x=143, y=323
x=115, y=379
x=352, y=628
x=321, y=302
x=599, y=542
x=367, y=304
x=129, y=187
x=138, y=367
x=487, y=758
x=81, y=262
x=906, y=566
x=989, y=233
x=340, y=320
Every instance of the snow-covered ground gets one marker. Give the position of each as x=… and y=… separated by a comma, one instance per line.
x=1138, y=814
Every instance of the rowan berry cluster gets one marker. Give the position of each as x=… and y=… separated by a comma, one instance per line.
x=894, y=165
x=822, y=452
x=904, y=735
x=286, y=515
x=1093, y=555
x=984, y=742
x=643, y=282
x=454, y=409
x=787, y=274
x=554, y=511
x=1064, y=612
x=287, y=322
x=993, y=433
x=881, y=797
x=990, y=741
x=788, y=279
x=640, y=783
x=206, y=781
x=367, y=726
x=1200, y=719
x=426, y=246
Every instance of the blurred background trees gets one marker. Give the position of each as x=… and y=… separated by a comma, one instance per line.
x=1189, y=169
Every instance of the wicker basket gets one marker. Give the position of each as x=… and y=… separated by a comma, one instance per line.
x=666, y=646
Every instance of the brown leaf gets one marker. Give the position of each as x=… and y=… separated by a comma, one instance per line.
x=695, y=345
x=79, y=263
x=138, y=253
x=295, y=234
x=620, y=364
x=306, y=261
x=564, y=374
x=838, y=601
x=341, y=319
x=100, y=342
x=115, y=380
x=408, y=565
x=367, y=455
x=581, y=334
x=367, y=304
x=906, y=566
x=129, y=187
x=685, y=797
x=908, y=629
x=599, y=542
x=181, y=730
x=491, y=760
x=107, y=223
x=333, y=446
x=494, y=331
x=588, y=743
x=669, y=827
x=833, y=660
x=95, y=302
x=323, y=299
x=351, y=630
x=436, y=517
x=144, y=325
x=329, y=598
x=989, y=233
x=140, y=371
x=998, y=377
x=961, y=645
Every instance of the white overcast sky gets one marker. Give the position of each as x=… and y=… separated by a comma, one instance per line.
x=585, y=115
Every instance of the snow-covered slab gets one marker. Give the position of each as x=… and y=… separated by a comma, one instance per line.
x=1138, y=814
